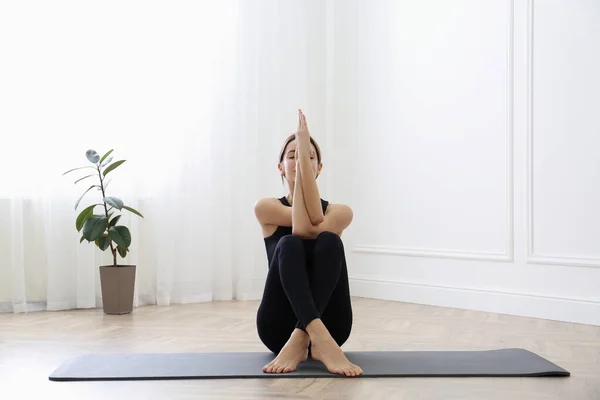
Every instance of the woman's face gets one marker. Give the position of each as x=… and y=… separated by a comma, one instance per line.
x=287, y=167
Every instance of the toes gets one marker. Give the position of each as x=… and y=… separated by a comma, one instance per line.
x=277, y=369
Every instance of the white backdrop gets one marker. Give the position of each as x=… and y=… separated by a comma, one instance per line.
x=480, y=120
x=462, y=133
x=196, y=96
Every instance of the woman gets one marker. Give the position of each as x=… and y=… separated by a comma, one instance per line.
x=306, y=300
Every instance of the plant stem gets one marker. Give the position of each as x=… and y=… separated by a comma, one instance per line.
x=112, y=249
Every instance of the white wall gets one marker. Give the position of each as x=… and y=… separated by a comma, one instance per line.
x=467, y=141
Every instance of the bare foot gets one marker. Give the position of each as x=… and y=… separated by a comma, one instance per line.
x=325, y=349
x=293, y=353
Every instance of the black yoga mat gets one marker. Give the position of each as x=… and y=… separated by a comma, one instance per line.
x=504, y=362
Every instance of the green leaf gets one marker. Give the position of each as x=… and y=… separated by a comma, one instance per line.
x=122, y=251
x=133, y=211
x=105, y=155
x=83, y=216
x=92, y=156
x=114, y=221
x=113, y=166
x=81, y=240
x=94, y=227
x=80, y=179
x=120, y=235
x=103, y=242
x=114, y=202
x=79, y=200
x=75, y=169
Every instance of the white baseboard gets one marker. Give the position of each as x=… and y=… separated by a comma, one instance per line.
x=527, y=305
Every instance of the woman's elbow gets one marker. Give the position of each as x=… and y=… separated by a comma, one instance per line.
x=317, y=220
x=298, y=232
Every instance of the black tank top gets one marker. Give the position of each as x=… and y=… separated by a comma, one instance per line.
x=281, y=231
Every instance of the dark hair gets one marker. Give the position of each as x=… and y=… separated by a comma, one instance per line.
x=291, y=138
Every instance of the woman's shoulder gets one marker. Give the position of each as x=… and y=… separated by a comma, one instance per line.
x=268, y=199
x=269, y=202
x=272, y=211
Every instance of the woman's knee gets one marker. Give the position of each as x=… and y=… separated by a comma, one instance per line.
x=290, y=243
x=328, y=241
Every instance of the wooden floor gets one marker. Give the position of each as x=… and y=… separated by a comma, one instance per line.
x=33, y=345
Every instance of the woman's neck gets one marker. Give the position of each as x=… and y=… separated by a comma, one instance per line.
x=290, y=196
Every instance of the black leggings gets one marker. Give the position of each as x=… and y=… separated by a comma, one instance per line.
x=302, y=286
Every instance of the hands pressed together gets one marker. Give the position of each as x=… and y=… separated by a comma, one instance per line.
x=302, y=132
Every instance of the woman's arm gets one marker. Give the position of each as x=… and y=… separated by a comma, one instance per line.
x=312, y=198
x=336, y=219
x=301, y=224
x=270, y=211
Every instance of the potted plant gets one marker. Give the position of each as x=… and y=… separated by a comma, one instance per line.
x=117, y=281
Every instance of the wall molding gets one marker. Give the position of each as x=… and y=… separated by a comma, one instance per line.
x=433, y=253
x=502, y=302
x=532, y=256
x=563, y=260
x=507, y=256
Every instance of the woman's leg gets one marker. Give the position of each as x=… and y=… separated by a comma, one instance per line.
x=295, y=281
x=329, y=285
x=276, y=320
x=308, y=293
x=326, y=269
x=308, y=297
x=309, y=290
x=337, y=316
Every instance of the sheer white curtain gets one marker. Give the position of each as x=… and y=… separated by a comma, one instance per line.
x=197, y=96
